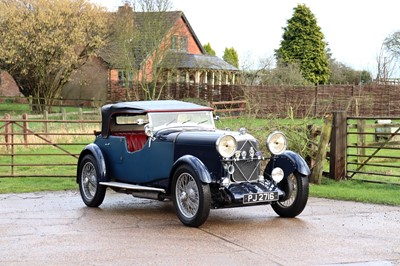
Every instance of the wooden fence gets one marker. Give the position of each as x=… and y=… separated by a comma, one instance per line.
x=299, y=102
x=278, y=101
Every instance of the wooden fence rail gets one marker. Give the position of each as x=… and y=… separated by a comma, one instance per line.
x=43, y=148
x=229, y=108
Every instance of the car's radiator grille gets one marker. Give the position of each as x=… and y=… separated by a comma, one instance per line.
x=247, y=164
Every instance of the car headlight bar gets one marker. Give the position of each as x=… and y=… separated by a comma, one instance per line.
x=226, y=146
x=277, y=143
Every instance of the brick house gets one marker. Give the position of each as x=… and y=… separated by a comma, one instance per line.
x=184, y=62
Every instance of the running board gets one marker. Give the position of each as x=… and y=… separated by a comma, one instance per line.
x=130, y=186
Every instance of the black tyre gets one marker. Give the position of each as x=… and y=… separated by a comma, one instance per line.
x=92, y=192
x=296, y=189
x=192, y=198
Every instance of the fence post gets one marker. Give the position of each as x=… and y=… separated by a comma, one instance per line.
x=64, y=117
x=46, y=118
x=26, y=127
x=12, y=149
x=318, y=168
x=99, y=113
x=338, y=146
x=361, y=140
x=30, y=103
x=80, y=111
x=63, y=114
x=7, y=130
x=315, y=101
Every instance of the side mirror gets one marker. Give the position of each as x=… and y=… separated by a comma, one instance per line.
x=216, y=118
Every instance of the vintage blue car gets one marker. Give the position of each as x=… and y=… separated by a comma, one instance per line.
x=172, y=150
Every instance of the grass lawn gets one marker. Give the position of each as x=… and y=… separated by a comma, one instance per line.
x=36, y=184
x=354, y=190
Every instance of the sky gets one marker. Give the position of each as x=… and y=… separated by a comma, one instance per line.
x=353, y=29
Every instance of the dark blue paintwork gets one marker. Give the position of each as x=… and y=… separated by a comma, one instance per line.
x=147, y=165
x=289, y=161
x=202, y=145
x=94, y=150
x=159, y=157
x=196, y=164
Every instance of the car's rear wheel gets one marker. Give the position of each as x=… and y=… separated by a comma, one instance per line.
x=296, y=188
x=92, y=192
x=192, y=198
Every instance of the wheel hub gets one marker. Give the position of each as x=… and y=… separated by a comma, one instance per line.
x=183, y=196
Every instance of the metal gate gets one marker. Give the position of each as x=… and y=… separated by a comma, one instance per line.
x=42, y=148
x=373, y=149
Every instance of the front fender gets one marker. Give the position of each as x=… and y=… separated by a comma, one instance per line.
x=197, y=165
x=94, y=150
x=289, y=161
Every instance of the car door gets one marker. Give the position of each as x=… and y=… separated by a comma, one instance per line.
x=150, y=164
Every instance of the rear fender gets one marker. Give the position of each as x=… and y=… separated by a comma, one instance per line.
x=289, y=161
x=94, y=150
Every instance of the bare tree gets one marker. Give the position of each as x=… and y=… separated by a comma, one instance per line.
x=141, y=41
x=256, y=73
x=43, y=41
x=386, y=64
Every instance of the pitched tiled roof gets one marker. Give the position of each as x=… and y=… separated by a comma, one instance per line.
x=166, y=20
x=195, y=61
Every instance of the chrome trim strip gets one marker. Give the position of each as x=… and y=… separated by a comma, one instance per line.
x=130, y=186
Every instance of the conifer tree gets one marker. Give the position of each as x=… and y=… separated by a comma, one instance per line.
x=209, y=49
x=230, y=56
x=303, y=43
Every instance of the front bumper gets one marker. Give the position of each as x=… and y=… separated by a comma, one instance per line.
x=237, y=191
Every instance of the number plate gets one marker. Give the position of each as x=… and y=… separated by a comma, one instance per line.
x=260, y=197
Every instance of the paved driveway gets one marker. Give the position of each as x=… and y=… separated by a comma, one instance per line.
x=55, y=228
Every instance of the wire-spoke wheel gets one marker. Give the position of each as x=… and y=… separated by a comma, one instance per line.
x=92, y=192
x=191, y=197
x=296, y=189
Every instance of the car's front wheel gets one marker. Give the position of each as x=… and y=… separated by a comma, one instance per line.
x=192, y=198
x=92, y=192
x=296, y=189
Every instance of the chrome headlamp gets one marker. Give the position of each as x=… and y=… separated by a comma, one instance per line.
x=226, y=146
x=277, y=143
x=277, y=174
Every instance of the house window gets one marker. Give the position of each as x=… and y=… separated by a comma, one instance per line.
x=174, y=42
x=125, y=79
x=183, y=47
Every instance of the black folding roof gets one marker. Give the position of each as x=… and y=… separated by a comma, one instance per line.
x=143, y=107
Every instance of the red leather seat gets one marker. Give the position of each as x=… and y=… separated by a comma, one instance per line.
x=134, y=140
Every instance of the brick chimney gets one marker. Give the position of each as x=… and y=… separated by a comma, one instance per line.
x=125, y=8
